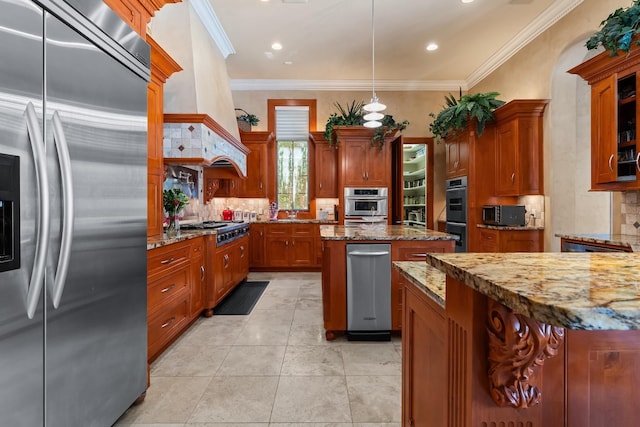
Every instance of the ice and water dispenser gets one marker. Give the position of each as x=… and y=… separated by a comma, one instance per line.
x=9, y=212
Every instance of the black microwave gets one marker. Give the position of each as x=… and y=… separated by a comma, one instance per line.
x=503, y=215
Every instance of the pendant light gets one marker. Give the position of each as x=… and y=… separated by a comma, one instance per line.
x=374, y=106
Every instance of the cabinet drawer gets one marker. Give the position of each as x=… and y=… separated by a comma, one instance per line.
x=162, y=290
x=489, y=236
x=278, y=230
x=166, y=258
x=164, y=325
x=415, y=253
x=305, y=229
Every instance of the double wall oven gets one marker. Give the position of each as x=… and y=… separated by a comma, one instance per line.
x=456, y=202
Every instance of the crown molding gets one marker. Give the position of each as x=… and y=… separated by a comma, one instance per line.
x=347, y=85
x=205, y=12
x=546, y=19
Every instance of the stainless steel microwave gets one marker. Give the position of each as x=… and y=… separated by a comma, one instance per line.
x=359, y=202
x=503, y=215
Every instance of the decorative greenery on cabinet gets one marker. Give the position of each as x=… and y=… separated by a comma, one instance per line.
x=456, y=114
x=618, y=31
x=353, y=115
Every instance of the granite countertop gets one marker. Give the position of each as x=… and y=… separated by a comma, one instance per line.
x=511, y=227
x=424, y=277
x=381, y=232
x=296, y=221
x=156, y=242
x=571, y=290
x=623, y=240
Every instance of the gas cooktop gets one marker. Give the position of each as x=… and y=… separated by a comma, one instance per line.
x=211, y=224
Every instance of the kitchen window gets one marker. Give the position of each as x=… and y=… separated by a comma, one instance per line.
x=292, y=157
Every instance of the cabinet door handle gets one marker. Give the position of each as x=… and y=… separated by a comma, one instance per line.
x=513, y=177
x=168, y=288
x=167, y=261
x=261, y=234
x=364, y=175
x=638, y=159
x=226, y=261
x=241, y=251
x=202, y=272
x=321, y=186
x=455, y=164
x=419, y=255
x=261, y=185
x=611, y=163
x=168, y=322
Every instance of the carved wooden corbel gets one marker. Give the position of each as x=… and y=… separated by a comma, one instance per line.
x=518, y=347
x=211, y=186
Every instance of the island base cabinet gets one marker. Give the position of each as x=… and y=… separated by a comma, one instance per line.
x=334, y=289
x=424, y=360
x=469, y=400
x=603, y=373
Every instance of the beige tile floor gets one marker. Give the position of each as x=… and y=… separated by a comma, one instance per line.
x=272, y=368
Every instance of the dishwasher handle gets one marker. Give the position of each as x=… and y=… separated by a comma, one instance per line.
x=365, y=253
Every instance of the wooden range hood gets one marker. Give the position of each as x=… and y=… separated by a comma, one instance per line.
x=197, y=139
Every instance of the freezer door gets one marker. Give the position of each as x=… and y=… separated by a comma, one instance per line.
x=96, y=343
x=21, y=338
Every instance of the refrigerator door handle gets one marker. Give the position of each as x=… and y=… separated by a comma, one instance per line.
x=43, y=218
x=62, y=148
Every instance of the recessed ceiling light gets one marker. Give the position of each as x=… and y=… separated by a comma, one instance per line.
x=276, y=46
x=467, y=1
x=432, y=47
x=288, y=62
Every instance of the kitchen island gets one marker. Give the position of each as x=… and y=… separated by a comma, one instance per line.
x=407, y=244
x=547, y=339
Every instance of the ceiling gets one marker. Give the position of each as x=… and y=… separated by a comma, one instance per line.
x=329, y=42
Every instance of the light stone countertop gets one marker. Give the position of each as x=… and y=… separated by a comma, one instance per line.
x=591, y=291
x=156, y=242
x=384, y=232
x=624, y=240
x=512, y=227
x=295, y=221
x=425, y=278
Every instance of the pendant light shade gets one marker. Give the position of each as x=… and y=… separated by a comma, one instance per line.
x=374, y=106
x=373, y=116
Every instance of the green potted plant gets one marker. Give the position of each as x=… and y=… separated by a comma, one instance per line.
x=618, y=31
x=246, y=120
x=457, y=113
x=353, y=115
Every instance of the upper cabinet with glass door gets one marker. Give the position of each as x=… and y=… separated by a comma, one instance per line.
x=614, y=120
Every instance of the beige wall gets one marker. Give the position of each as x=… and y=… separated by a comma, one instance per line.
x=203, y=86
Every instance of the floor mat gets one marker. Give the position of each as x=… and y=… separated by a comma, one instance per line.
x=242, y=299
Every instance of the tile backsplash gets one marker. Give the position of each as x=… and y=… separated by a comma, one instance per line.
x=630, y=212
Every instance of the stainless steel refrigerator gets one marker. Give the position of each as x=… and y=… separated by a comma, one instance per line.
x=73, y=138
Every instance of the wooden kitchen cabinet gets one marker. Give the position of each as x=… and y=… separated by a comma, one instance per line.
x=614, y=119
x=257, y=245
x=198, y=277
x=291, y=245
x=326, y=167
x=510, y=240
x=457, y=155
x=364, y=165
x=137, y=13
x=169, y=287
x=424, y=360
x=519, y=162
x=229, y=265
x=257, y=181
x=162, y=67
x=410, y=251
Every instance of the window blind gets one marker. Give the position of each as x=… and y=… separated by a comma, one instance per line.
x=292, y=123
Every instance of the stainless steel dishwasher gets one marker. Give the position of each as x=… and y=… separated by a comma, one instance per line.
x=369, y=291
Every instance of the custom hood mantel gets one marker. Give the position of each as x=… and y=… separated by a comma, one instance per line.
x=197, y=139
